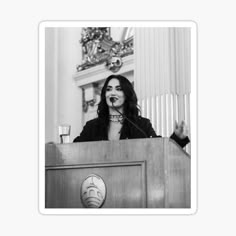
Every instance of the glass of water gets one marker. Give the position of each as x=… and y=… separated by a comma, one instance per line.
x=64, y=133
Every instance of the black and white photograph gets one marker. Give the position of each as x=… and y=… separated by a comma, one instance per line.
x=119, y=125
x=117, y=118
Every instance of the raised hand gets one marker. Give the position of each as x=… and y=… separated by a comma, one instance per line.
x=181, y=129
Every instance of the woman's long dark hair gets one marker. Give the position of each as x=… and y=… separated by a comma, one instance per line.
x=131, y=109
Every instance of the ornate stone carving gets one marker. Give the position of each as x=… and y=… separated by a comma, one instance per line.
x=98, y=47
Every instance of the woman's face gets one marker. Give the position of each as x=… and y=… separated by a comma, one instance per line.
x=114, y=91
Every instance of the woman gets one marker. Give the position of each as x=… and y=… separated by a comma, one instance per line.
x=118, y=116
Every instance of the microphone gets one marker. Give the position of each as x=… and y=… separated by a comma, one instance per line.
x=113, y=99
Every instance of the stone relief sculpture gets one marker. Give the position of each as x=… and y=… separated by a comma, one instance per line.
x=98, y=47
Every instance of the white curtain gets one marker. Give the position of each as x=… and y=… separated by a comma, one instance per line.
x=162, y=76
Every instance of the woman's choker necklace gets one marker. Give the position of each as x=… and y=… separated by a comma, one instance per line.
x=116, y=118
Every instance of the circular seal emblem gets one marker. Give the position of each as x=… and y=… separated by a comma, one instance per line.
x=93, y=191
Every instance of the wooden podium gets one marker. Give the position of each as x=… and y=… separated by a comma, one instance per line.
x=138, y=173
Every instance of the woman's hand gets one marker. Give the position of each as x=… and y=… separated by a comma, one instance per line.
x=181, y=129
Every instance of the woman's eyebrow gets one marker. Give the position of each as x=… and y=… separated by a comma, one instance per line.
x=117, y=86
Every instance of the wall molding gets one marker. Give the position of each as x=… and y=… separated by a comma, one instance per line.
x=100, y=72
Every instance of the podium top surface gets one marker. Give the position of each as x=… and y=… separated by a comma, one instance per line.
x=102, y=151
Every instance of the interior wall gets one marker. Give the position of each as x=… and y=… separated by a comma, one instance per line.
x=69, y=95
x=51, y=49
x=63, y=98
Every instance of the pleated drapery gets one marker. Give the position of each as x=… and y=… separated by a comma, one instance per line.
x=162, y=75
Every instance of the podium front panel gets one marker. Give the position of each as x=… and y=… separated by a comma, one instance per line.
x=142, y=173
x=63, y=187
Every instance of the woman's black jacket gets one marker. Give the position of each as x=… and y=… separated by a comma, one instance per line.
x=95, y=130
